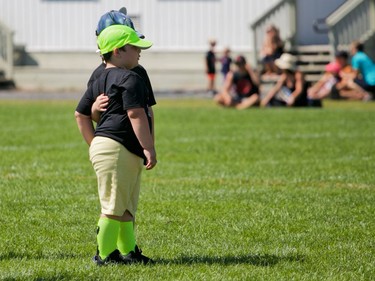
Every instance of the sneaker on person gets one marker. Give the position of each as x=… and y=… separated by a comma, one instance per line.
x=136, y=257
x=113, y=258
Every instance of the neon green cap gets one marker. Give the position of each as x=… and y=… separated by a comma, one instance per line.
x=117, y=36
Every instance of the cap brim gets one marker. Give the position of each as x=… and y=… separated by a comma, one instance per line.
x=142, y=44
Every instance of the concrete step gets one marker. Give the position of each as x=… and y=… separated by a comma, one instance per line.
x=312, y=78
x=314, y=58
x=312, y=68
x=312, y=49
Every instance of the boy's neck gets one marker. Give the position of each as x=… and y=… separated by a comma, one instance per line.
x=111, y=65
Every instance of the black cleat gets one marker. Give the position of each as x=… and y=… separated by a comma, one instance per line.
x=136, y=257
x=113, y=258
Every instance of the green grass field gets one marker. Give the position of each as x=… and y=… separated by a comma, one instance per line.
x=262, y=194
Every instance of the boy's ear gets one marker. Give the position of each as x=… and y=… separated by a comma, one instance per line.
x=116, y=51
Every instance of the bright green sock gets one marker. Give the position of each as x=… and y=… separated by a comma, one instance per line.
x=108, y=230
x=126, y=238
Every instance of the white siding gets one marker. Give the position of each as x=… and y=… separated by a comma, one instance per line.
x=173, y=25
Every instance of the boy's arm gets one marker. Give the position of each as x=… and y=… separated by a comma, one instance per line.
x=85, y=126
x=151, y=112
x=99, y=106
x=141, y=129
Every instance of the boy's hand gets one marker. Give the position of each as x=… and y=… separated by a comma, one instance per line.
x=100, y=103
x=151, y=158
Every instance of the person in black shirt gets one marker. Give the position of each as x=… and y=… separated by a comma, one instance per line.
x=121, y=143
x=111, y=18
x=210, y=63
x=291, y=87
x=240, y=87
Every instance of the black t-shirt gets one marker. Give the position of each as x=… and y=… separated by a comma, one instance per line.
x=126, y=90
x=244, y=85
x=96, y=74
x=211, y=61
x=138, y=69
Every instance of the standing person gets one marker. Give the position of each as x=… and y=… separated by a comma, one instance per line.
x=291, y=86
x=363, y=66
x=120, y=144
x=244, y=83
x=211, y=67
x=226, y=62
x=111, y=18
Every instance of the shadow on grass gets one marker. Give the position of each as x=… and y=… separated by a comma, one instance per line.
x=38, y=256
x=256, y=260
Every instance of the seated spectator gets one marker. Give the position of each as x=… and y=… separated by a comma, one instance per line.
x=240, y=88
x=364, y=67
x=346, y=88
x=290, y=88
x=337, y=82
x=323, y=87
x=272, y=49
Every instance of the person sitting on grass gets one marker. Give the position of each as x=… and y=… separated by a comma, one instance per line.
x=337, y=82
x=291, y=87
x=240, y=88
x=346, y=88
x=120, y=144
x=323, y=87
x=364, y=68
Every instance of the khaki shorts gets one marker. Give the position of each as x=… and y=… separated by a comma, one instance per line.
x=119, y=173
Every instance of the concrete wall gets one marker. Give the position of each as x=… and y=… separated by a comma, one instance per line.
x=70, y=71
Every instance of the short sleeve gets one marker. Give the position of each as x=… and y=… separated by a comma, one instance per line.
x=134, y=94
x=141, y=71
x=96, y=74
x=355, y=63
x=86, y=102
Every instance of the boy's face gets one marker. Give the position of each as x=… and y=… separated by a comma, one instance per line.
x=130, y=56
x=341, y=61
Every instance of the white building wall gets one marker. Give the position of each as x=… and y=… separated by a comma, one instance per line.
x=173, y=25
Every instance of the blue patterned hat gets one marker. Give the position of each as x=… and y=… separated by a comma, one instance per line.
x=115, y=17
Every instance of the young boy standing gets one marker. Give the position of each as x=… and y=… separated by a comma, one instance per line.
x=120, y=144
x=210, y=63
x=112, y=18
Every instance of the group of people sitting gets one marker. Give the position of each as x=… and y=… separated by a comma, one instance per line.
x=341, y=80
